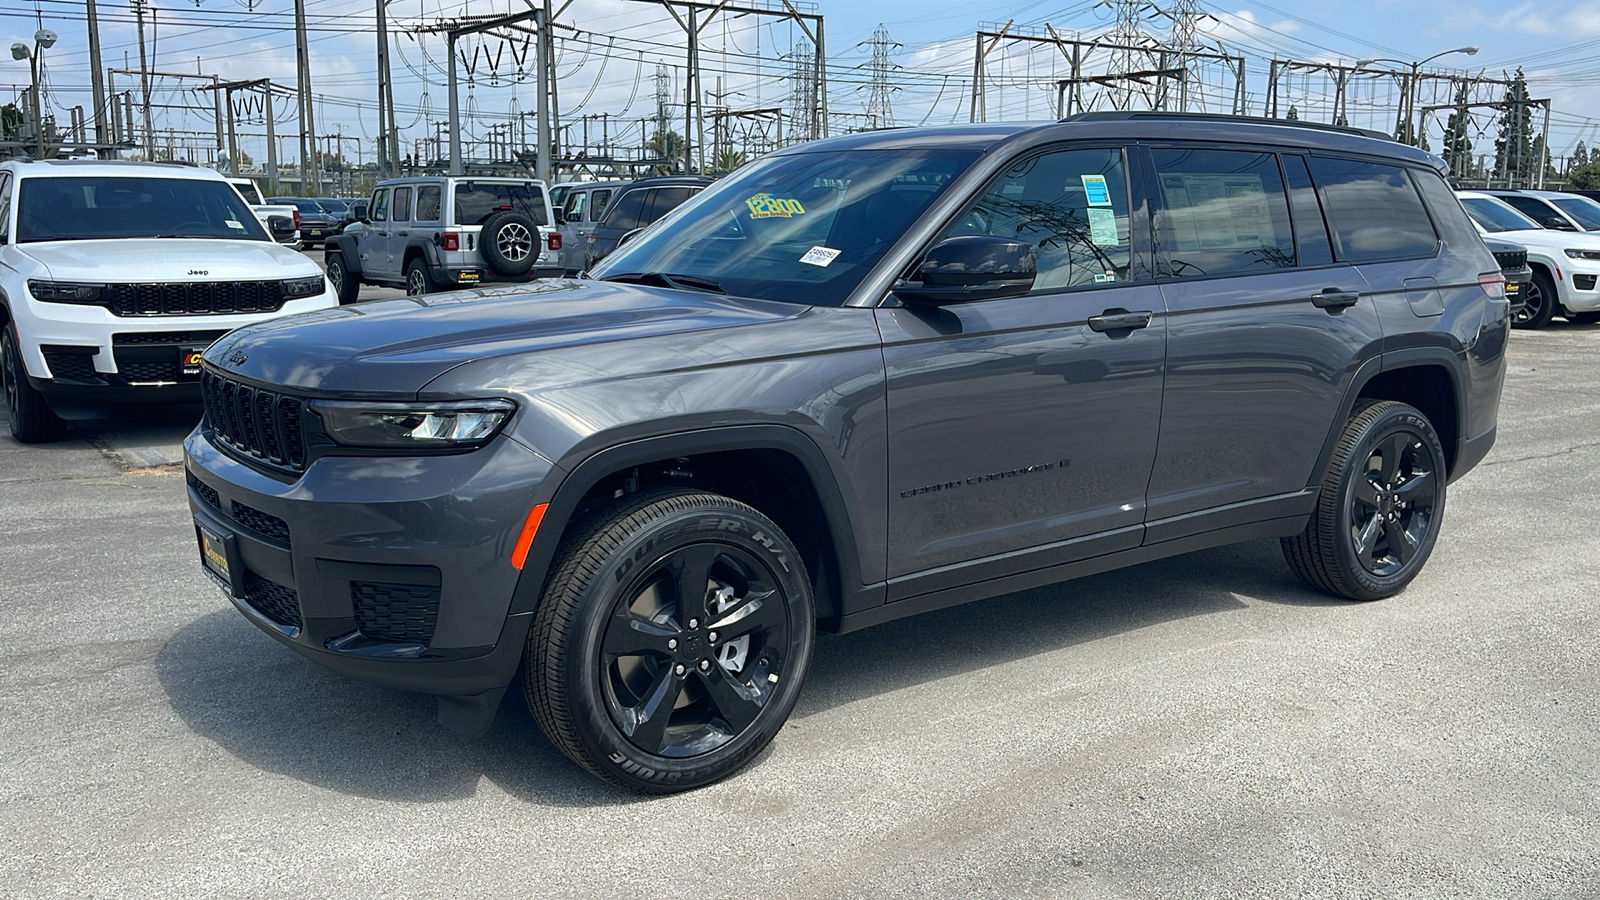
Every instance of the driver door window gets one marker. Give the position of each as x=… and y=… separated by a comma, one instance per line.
x=380, y=206
x=1072, y=206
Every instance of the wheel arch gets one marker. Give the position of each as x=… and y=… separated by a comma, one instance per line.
x=1427, y=378
x=1550, y=269
x=422, y=248
x=775, y=468
x=345, y=246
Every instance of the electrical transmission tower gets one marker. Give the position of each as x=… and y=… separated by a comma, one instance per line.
x=880, y=114
x=1127, y=35
x=803, y=93
x=1185, y=16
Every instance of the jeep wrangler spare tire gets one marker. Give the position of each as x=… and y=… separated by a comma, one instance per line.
x=509, y=242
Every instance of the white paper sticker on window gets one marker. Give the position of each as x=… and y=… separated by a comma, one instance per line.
x=233, y=224
x=1103, y=228
x=820, y=256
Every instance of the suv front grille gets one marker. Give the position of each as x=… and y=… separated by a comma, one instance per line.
x=260, y=424
x=395, y=612
x=204, y=298
x=273, y=600
x=1511, y=259
x=165, y=337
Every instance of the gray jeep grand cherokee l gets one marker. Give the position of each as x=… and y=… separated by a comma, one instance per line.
x=856, y=380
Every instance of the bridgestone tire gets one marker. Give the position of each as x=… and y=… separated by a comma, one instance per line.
x=1544, y=291
x=510, y=243
x=32, y=420
x=1325, y=555
x=346, y=286
x=572, y=667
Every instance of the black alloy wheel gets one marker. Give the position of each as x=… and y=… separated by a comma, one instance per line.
x=1380, y=506
x=31, y=419
x=672, y=640
x=1539, y=302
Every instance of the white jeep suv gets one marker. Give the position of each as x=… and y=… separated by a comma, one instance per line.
x=1566, y=264
x=114, y=276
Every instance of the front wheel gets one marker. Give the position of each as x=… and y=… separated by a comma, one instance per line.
x=345, y=285
x=1380, y=507
x=1541, y=302
x=31, y=418
x=672, y=641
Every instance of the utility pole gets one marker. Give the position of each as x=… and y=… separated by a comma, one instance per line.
x=310, y=179
x=383, y=90
x=144, y=81
x=102, y=130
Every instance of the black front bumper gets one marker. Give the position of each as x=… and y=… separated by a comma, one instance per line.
x=391, y=570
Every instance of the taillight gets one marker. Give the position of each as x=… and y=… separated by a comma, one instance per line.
x=1493, y=285
x=554, y=240
x=297, y=219
x=450, y=241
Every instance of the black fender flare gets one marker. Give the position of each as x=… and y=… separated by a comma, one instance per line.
x=1387, y=361
x=430, y=253
x=346, y=246
x=588, y=471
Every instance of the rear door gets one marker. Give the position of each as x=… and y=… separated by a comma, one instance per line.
x=1022, y=431
x=399, y=230
x=1266, y=330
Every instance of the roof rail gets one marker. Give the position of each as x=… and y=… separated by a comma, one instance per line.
x=1125, y=115
x=178, y=162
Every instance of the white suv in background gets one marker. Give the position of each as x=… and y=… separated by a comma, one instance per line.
x=114, y=276
x=1566, y=264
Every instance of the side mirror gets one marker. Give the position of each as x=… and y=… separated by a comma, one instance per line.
x=971, y=267
x=1555, y=222
x=282, y=227
x=362, y=218
x=560, y=217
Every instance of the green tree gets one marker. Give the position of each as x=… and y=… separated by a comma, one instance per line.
x=667, y=145
x=729, y=159
x=1579, y=157
x=1585, y=177
x=1513, y=149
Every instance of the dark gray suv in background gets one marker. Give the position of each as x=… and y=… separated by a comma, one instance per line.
x=856, y=380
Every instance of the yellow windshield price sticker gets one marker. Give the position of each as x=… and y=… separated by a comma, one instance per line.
x=766, y=206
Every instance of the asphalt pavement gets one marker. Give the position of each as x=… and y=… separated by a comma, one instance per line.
x=1199, y=727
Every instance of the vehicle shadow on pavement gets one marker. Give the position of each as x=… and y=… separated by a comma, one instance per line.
x=967, y=638
x=276, y=711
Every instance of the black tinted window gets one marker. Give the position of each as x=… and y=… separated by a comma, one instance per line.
x=1375, y=212
x=1310, y=228
x=1072, y=206
x=628, y=211
x=476, y=202
x=597, y=204
x=1224, y=212
x=402, y=204
x=666, y=200
x=428, y=203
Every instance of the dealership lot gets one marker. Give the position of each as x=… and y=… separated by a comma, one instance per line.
x=1202, y=726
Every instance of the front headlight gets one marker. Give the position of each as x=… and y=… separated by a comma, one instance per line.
x=64, y=292
x=461, y=423
x=1583, y=254
x=295, y=288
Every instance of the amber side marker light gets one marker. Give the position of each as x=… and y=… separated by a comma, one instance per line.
x=519, y=555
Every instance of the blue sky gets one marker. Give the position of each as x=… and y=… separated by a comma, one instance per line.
x=607, y=61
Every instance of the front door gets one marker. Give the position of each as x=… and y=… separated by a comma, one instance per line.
x=373, y=242
x=1022, y=430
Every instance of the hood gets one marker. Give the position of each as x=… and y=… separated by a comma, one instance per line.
x=390, y=349
x=1550, y=240
x=139, y=260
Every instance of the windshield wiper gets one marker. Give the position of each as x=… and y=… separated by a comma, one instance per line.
x=665, y=279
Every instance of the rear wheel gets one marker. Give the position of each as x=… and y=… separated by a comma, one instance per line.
x=672, y=640
x=32, y=420
x=1541, y=302
x=1380, y=507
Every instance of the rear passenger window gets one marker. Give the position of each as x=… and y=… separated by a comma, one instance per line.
x=428, y=203
x=402, y=204
x=597, y=204
x=629, y=210
x=666, y=200
x=1373, y=209
x=1072, y=205
x=1224, y=213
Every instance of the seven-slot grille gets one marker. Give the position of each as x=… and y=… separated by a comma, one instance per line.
x=258, y=423
x=1511, y=259
x=204, y=298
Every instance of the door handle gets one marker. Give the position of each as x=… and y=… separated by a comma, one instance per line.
x=1119, y=320
x=403, y=233
x=1333, y=298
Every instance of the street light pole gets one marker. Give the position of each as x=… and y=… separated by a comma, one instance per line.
x=1409, y=101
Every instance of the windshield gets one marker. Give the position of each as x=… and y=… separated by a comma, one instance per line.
x=800, y=228
x=333, y=204
x=1496, y=216
x=1584, y=211
x=92, y=207
x=248, y=189
x=476, y=201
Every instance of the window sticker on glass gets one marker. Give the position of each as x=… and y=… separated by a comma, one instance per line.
x=1099, y=193
x=1103, y=228
x=1218, y=212
x=236, y=226
x=820, y=256
x=1102, y=279
x=766, y=206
